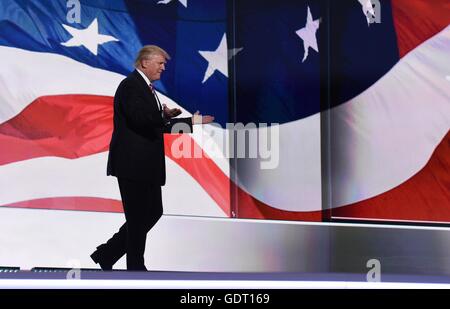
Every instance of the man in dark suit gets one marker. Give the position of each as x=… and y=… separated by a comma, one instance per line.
x=136, y=157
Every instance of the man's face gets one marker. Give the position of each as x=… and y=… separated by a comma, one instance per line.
x=153, y=66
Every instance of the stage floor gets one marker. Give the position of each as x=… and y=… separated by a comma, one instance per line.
x=120, y=279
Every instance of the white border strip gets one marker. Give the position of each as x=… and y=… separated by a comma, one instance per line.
x=199, y=284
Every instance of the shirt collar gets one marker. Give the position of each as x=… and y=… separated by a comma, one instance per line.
x=144, y=77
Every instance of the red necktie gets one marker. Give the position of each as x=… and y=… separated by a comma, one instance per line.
x=156, y=96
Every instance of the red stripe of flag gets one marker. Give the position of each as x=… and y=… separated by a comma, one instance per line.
x=423, y=197
x=418, y=20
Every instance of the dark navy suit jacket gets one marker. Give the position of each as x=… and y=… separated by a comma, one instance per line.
x=136, y=150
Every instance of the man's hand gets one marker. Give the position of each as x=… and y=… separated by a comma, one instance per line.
x=170, y=112
x=200, y=119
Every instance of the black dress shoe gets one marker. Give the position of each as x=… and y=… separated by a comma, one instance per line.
x=96, y=257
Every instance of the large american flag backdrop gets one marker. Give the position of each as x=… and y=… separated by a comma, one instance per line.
x=388, y=109
x=390, y=115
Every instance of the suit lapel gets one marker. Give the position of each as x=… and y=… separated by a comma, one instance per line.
x=146, y=90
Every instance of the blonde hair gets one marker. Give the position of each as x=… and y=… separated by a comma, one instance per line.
x=148, y=51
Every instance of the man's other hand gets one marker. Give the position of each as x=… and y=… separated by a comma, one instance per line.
x=170, y=112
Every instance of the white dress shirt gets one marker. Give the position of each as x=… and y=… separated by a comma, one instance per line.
x=149, y=83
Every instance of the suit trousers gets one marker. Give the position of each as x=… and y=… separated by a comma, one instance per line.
x=142, y=205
